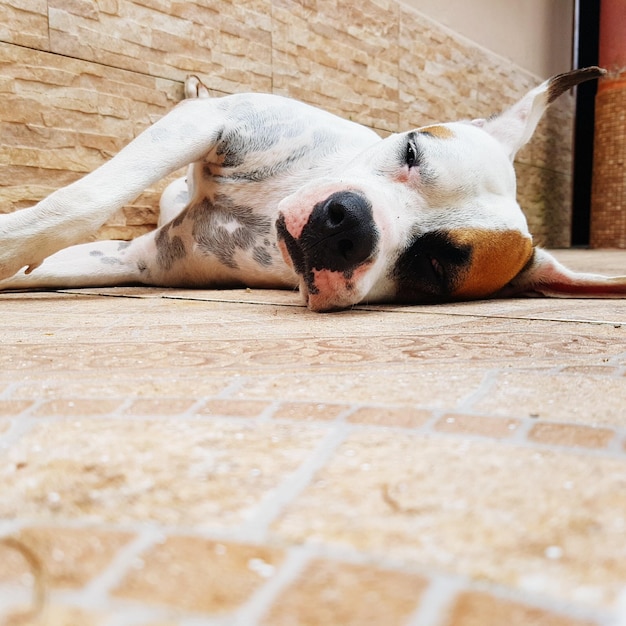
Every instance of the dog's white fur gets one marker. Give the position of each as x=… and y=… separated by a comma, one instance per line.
x=280, y=194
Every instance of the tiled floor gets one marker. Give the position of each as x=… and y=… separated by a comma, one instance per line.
x=231, y=459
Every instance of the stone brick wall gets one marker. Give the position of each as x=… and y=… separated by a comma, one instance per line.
x=80, y=78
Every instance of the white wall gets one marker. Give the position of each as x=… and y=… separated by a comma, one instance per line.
x=534, y=34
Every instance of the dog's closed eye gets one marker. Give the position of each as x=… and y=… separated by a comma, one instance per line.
x=412, y=155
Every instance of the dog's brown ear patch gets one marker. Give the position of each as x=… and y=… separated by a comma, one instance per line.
x=441, y=132
x=496, y=258
x=544, y=275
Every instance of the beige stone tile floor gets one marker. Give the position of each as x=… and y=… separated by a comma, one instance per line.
x=227, y=458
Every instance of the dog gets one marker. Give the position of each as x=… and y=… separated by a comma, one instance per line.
x=279, y=194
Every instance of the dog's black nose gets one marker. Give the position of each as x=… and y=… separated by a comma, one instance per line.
x=341, y=233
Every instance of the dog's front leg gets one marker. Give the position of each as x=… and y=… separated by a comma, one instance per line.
x=72, y=213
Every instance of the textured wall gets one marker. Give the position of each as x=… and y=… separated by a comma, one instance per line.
x=80, y=78
x=535, y=34
x=608, y=196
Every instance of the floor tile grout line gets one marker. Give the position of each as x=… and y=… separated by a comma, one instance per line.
x=436, y=601
x=8, y=391
x=619, y=619
x=500, y=316
x=97, y=590
x=484, y=387
x=257, y=528
x=30, y=410
x=125, y=404
x=618, y=441
x=267, y=414
x=612, y=450
x=427, y=428
x=386, y=368
x=13, y=598
x=113, y=615
x=521, y=432
x=446, y=586
x=525, y=422
x=528, y=423
x=163, y=295
x=427, y=431
x=138, y=527
x=192, y=411
x=10, y=527
x=552, y=603
x=259, y=604
x=344, y=415
x=18, y=429
x=234, y=385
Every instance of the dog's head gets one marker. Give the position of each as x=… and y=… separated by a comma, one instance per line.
x=428, y=216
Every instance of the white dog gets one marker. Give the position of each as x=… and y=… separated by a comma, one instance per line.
x=280, y=194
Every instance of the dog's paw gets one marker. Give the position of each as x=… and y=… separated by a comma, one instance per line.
x=195, y=88
x=11, y=265
x=17, y=251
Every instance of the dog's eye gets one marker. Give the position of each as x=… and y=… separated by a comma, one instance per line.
x=412, y=156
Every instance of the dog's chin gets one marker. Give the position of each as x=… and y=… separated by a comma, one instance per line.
x=323, y=302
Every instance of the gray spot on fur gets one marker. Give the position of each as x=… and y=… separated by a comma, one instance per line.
x=251, y=129
x=221, y=228
x=110, y=260
x=158, y=134
x=96, y=253
x=122, y=245
x=243, y=154
x=169, y=249
x=262, y=256
x=269, y=171
x=178, y=220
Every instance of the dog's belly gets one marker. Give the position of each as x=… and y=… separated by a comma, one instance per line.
x=220, y=240
x=226, y=234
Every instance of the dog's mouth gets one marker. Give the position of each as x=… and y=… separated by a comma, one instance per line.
x=331, y=250
x=294, y=256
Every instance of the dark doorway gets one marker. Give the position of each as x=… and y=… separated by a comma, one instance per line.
x=586, y=40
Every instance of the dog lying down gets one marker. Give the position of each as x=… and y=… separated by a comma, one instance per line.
x=279, y=194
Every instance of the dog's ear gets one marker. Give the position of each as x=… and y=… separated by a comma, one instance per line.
x=544, y=275
x=515, y=126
